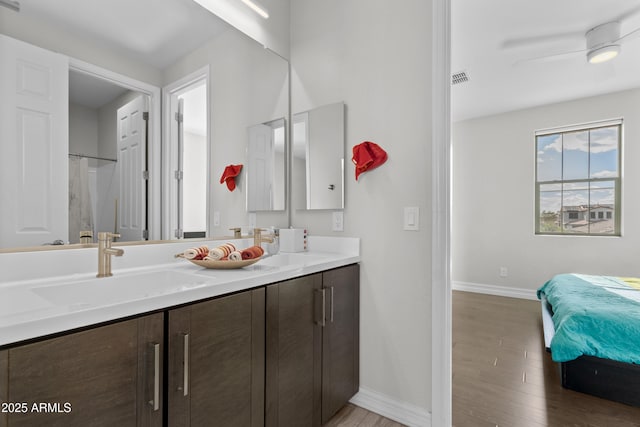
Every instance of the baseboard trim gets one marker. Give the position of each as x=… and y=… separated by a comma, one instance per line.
x=402, y=412
x=502, y=291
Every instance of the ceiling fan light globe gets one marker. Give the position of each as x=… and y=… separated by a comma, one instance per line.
x=603, y=54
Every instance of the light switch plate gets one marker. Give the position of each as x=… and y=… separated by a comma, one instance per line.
x=412, y=218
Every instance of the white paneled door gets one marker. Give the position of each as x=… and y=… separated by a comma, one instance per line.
x=34, y=135
x=260, y=168
x=132, y=164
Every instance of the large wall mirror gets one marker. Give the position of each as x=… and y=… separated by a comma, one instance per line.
x=318, y=157
x=96, y=180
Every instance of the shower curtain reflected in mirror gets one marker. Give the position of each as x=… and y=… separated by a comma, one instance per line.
x=81, y=209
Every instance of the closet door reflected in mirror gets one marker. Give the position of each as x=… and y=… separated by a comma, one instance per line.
x=318, y=158
x=266, y=166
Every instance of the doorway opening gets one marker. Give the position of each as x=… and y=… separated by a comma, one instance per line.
x=112, y=165
x=188, y=155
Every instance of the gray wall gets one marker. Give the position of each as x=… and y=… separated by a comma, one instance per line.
x=83, y=130
x=376, y=57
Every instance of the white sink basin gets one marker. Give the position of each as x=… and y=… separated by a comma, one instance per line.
x=20, y=300
x=119, y=288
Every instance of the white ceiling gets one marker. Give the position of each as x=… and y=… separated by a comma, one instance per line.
x=91, y=91
x=490, y=37
x=157, y=32
x=154, y=32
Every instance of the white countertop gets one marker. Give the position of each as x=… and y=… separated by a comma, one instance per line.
x=41, y=305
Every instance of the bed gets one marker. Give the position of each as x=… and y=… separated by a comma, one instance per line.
x=592, y=329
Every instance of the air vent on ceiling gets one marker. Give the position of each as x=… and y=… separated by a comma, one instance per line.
x=460, y=77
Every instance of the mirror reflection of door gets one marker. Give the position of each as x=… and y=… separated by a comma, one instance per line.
x=189, y=154
x=266, y=166
x=132, y=165
x=107, y=157
x=33, y=153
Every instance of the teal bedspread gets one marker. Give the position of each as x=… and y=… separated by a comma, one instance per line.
x=594, y=316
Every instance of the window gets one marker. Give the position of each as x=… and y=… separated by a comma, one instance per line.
x=578, y=179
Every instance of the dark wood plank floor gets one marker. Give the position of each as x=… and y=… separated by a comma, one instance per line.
x=502, y=375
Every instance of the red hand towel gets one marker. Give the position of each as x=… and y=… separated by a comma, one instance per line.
x=252, y=252
x=367, y=156
x=229, y=175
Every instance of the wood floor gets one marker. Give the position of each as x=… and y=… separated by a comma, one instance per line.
x=354, y=416
x=503, y=376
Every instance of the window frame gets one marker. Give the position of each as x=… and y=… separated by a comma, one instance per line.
x=617, y=205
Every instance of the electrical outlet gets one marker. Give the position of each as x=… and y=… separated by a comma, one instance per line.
x=252, y=220
x=504, y=272
x=338, y=221
x=216, y=218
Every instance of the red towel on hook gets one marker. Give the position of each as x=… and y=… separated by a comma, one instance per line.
x=366, y=156
x=229, y=176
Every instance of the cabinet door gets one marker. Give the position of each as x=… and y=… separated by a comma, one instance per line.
x=340, y=339
x=107, y=376
x=294, y=340
x=216, y=362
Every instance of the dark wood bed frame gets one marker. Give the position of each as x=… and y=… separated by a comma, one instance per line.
x=604, y=378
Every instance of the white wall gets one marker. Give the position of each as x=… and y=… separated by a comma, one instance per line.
x=376, y=57
x=493, y=198
x=195, y=182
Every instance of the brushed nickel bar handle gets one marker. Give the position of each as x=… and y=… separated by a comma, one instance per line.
x=331, y=312
x=185, y=364
x=156, y=377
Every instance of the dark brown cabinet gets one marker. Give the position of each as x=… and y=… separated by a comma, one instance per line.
x=294, y=353
x=312, y=356
x=281, y=355
x=340, y=339
x=106, y=376
x=216, y=362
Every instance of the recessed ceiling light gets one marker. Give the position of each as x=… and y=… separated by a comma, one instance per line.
x=258, y=8
x=603, y=54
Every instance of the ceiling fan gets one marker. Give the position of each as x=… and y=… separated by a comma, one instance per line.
x=603, y=42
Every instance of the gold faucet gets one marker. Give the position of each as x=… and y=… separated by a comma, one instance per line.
x=105, y=251
x=258, y=238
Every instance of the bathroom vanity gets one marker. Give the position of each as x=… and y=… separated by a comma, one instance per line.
x=272, y=344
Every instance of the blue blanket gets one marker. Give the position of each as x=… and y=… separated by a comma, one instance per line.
x=594, y=316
